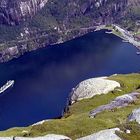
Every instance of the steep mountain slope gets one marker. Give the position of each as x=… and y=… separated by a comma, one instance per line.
x=12, y=11
x=100, y=10
x=132, y=16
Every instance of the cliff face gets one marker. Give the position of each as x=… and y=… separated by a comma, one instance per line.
x=13, y=11
x=100, y=11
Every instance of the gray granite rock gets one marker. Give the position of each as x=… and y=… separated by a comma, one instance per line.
x=6, y=138
x=47, y=137
x=118, y=102
x=135, y=116
x=108, y=134
x=92, y=87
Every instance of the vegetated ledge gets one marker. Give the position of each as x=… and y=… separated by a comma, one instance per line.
x=76, y=123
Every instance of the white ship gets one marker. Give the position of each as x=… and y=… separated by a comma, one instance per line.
x=138, y=53
x=9, y=84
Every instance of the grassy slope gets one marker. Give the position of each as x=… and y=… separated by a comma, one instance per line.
x=76, y=123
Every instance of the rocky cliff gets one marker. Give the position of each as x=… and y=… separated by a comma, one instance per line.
x=13, y=11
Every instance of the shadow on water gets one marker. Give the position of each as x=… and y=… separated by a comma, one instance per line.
x=44, y=78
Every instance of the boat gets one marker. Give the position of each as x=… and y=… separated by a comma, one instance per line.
x=9, y=84
x=138, y=53
x=108, y=32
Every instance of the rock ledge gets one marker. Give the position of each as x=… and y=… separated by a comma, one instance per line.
x=108, y=134
x=92, y=87
x=135, y=116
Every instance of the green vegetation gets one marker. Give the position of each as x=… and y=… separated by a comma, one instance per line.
x=133, y=127
x=8, y=33
x=132, y=17
x=76, y=123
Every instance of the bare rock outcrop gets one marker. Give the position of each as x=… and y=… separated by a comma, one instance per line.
x=47, y=137
x=6, y=138
x=118, y=102
x=135, y=116
x=108, y=134
x=92, y=87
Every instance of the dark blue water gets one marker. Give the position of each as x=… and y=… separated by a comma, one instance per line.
x=44, y=78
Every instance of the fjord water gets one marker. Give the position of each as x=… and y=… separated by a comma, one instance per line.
x=44, y=78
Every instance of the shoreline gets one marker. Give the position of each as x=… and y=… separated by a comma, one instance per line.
x=7, y=54
x=125, y=35
x=15, y=49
